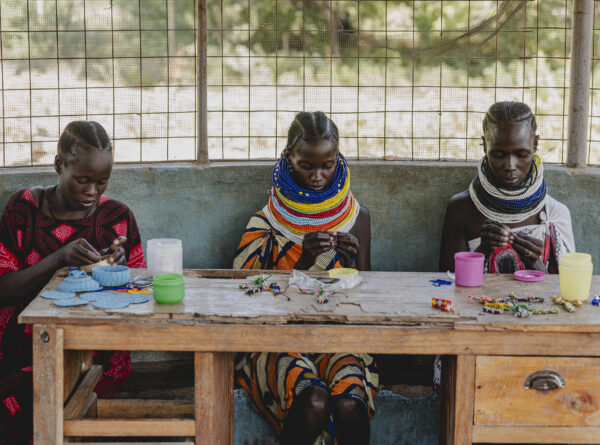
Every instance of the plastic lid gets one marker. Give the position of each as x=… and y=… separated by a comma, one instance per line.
x=573, y=258
x=342, y=272
x=529, y=275
x=164, y=241
x=168, y=279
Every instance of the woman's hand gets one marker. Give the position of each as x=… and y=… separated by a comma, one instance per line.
x=346, y=245
x=78, y=253
x=529, y=249
x=118, y=255
x=313, y=245
x=493, y=235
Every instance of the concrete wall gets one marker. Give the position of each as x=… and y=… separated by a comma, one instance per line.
x=208, y=206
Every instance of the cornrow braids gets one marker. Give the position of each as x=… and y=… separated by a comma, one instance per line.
x=310, y=127
x=83, y=134
x=516, y=112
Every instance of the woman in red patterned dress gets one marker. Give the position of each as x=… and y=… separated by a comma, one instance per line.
x=42, y=230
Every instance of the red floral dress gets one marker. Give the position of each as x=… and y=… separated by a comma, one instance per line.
x=26, y=237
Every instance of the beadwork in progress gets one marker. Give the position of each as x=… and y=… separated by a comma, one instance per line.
x=111, y=275
x=258, y=285
x=70, y=302
x=438, y=283
x=445, y=305
x=109, y=300
x=78, y=281
x=57, y=295
x=514, y=303
x=569, y=306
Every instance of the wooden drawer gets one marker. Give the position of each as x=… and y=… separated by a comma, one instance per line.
x=501, y=398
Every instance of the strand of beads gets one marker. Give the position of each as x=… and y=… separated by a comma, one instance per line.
x=596, y=299
x=569, y=307
x=528, y=299
x=482, y=299
x=492, y=310
x=515, y=303
x=551, y=310
x=521, y=312
x=499, y=305
x=445, y=305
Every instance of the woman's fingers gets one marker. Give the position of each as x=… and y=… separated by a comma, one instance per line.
x=527, y=247
x=86, y=253
x=118, y=257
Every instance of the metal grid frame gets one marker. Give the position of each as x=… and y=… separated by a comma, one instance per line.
x=364, y=122
x=433, y=141
x=594, y=130
x=104, y=60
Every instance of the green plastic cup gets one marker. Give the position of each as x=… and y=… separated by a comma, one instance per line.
x=168, y=288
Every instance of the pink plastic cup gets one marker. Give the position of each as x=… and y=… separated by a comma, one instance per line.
x=468, y=267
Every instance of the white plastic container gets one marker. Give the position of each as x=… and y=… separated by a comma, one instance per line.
x=165, y=255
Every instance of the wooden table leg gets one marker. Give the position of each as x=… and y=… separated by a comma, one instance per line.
x=47, y=385
x=458, y=394
x=213, y=396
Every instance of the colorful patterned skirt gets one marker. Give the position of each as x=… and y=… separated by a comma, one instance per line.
x=274, y=380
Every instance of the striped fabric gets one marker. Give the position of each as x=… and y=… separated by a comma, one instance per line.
x=263, y=247
x=274, y=380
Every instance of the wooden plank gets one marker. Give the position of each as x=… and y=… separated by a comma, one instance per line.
x=384, y=298
x=325, y=338
x=129, y=427
x=213, y=398
x=90, y=409
x=562, y=435
x=75, y=363
x=458, y=385
x=582, y=39
x=48, y=389
x=82, y=393
x=79, y=442
x=155, y=409
x=502, y=399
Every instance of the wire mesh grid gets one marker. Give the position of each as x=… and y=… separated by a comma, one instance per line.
x=128, y=64
x=401, y=79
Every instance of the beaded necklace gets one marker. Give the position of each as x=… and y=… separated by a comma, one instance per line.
x=295, y=211
x=509, y=205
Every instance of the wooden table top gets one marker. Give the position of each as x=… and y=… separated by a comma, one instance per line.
x=383, y=299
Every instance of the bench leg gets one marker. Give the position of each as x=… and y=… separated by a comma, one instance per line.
x=458, y=393
x=213, y=396
x=48, y=385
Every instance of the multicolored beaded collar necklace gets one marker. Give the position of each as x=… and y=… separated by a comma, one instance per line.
x=295, y=211
x=509, y=205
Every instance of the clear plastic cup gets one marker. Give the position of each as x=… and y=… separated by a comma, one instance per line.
x=165, y=255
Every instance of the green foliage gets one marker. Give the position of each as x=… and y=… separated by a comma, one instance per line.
x=294, y=28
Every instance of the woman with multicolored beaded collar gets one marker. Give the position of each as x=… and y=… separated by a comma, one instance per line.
x=311, y=221
x=507, y=213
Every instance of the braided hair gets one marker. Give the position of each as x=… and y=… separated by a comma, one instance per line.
x=310, y=127
x=83, y=134
x=504, y=112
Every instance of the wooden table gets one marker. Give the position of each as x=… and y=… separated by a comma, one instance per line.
x=487, y=357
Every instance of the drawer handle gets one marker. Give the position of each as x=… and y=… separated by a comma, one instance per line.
x=544, y=380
